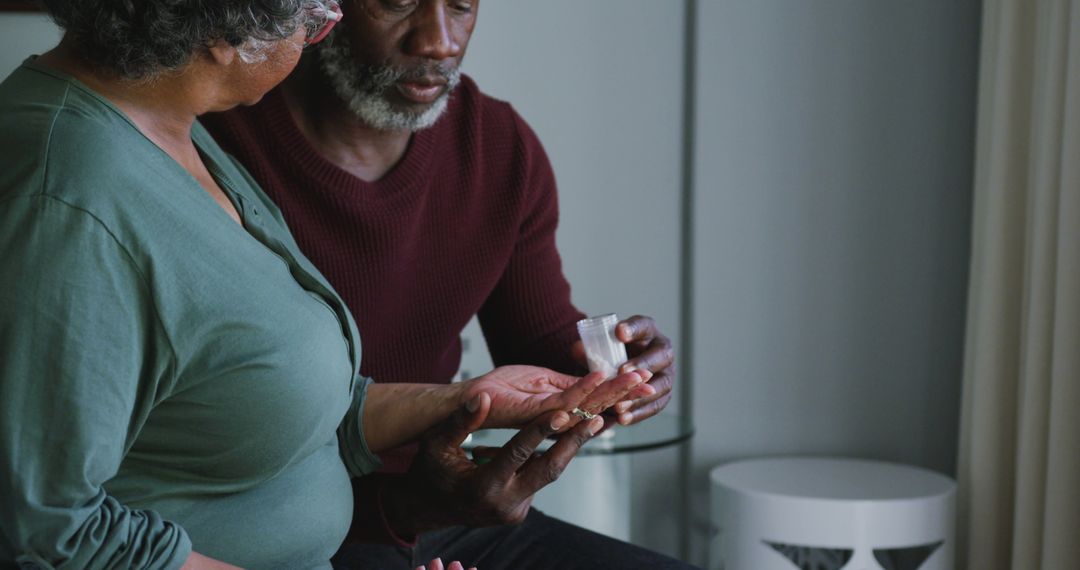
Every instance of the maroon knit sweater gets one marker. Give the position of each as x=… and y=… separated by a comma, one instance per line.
x=464, y=224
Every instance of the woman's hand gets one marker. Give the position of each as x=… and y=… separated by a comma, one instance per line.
x=521, y=393
x=438, y=565
x=394, y=414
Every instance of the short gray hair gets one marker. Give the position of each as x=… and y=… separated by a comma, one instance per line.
x=137, y=39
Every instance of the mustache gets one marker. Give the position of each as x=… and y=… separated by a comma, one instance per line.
x=377, y=78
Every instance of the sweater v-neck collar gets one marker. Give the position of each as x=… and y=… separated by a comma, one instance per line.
x=402, y=182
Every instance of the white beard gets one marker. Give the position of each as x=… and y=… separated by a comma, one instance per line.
x=363, y=88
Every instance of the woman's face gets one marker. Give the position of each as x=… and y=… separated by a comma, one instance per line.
x=263, y=74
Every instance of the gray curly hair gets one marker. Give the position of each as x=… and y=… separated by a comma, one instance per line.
x=138, y=39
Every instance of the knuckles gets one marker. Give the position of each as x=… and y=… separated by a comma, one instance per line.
x=550, y=473
x=519, y=455
x=655, y=407
x=664, y=382
x=579, y=438
x=495, y=508
x=665, y=353
x=642, y=324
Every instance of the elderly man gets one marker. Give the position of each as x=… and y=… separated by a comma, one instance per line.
x=424, y=202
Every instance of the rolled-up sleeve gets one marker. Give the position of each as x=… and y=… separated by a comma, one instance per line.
x=356, y=454
x=81, y=365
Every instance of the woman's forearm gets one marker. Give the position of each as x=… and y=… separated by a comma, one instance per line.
x=395, y=414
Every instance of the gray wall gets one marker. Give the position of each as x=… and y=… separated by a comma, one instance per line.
x=602, y=83
x=24, y=34
x=834, y=156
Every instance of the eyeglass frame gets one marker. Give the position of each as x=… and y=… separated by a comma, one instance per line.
x=333, y=16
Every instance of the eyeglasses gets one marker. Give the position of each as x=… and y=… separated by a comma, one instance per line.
x=326, y=19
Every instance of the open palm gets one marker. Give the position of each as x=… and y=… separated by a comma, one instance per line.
x=520, y=393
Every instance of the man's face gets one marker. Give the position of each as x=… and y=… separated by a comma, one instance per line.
x=395, y=62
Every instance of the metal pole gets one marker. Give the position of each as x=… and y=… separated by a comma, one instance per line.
x=686, y=267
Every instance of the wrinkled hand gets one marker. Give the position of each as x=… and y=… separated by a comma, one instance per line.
x=648, y=349
x=521, y=393
x=438, y=565
x=444, y=488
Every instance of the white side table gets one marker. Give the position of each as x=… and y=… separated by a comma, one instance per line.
x=831, y=514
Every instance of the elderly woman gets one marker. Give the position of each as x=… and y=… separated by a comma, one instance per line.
x=178, y=384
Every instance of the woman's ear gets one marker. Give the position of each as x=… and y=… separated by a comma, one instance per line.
x=222, y=53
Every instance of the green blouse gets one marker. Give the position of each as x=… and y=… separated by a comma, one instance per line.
x=169, y=380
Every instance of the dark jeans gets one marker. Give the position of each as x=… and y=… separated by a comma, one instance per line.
x=541, y=542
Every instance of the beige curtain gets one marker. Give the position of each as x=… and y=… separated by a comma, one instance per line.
x=1019, y=471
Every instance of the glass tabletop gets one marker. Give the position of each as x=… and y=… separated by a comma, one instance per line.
x=656, y=432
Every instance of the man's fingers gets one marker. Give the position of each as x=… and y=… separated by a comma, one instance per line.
x=636, y=328
x=577, y=352
x=635, y=399
x=645, y=409
x=521, y=447
x=465, y=420
x=663, y=382
x=657, y=356
x=660, y=385
x=455, y=565
x=548, y=467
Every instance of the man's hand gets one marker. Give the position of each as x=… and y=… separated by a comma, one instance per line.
x=444, y=488
x=521, y=393
x=650, y=350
